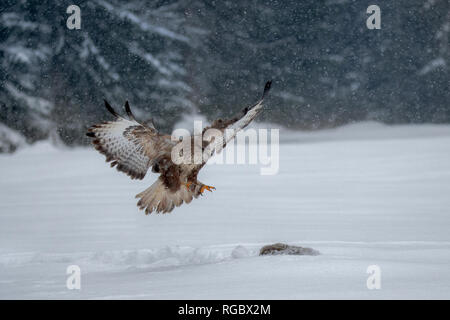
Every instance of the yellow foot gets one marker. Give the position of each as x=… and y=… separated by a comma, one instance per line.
x=188, y=185
x=205, y=187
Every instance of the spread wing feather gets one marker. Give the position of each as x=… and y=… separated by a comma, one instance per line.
x=229, y=128
x=129, y=145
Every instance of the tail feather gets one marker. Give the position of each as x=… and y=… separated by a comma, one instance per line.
x=160, y=199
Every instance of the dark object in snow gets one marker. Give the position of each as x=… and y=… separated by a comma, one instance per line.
x=282, y=248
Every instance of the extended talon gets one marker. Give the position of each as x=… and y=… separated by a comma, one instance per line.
x=209, y=188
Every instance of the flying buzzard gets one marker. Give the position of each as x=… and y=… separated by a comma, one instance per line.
x=133, y=148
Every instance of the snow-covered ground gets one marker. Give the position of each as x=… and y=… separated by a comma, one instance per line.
x=362, y=195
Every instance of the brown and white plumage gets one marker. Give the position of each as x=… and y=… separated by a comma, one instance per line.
x=133, y=148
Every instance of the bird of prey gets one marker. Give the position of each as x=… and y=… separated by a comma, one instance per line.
x=133, y=148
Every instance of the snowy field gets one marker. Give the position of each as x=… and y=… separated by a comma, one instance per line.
x=362, y=195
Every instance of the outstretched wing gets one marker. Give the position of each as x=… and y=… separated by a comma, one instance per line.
x=131, y=146
x=229, y=128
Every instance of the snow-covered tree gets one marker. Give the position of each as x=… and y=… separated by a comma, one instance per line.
x=168, y=57
x=54, y=78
